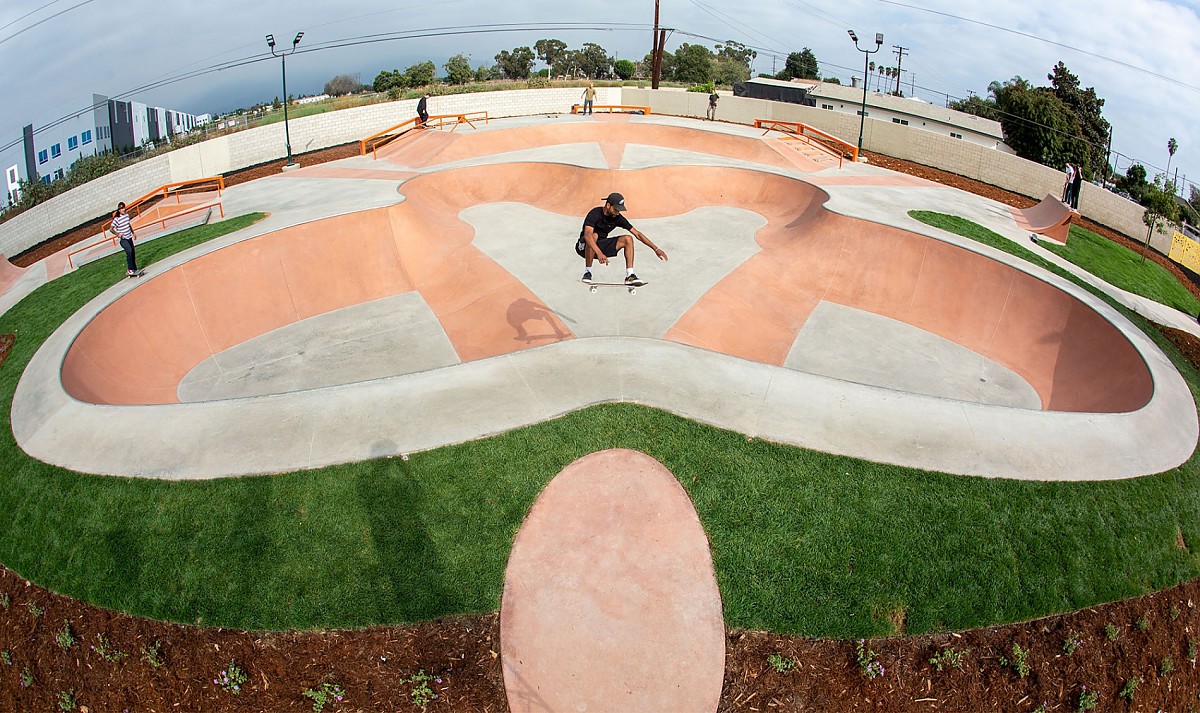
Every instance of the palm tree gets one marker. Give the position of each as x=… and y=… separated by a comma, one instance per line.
x=867, y=78
x=879, y=87
x=1172, y=147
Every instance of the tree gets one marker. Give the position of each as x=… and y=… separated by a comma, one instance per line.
x=420, y=74
x=1134, y=182
x=385, y=80
x=736, y=52
x=483, y=73
x=275, y=104
x=1090, y=144
x=593, y=60
x=727, y=71
x=668, y=65
x=832, y=80
x=802, y=65
x=1194, y=198
x=552, y=52
x=693, y=64
x=1038, y=125
x=977, y=106
x=458, y=69
x=1160, y=207
x=624, y=68
x=1172, y=147
x=516, y=64
x=341, y=85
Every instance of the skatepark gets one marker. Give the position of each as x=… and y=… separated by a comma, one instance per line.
x=428, y=295
x=794, y=290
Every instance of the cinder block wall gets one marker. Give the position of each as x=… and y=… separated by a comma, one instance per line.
x=260, y=145
x=914, y=144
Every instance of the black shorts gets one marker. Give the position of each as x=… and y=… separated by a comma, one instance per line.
x=608, y=246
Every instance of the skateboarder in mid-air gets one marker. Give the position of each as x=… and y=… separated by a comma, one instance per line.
x=594, y=243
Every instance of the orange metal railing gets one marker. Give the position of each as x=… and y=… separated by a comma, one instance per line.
x=576, y=108
x=375, y=141
x=137, y=207
x=815, y=137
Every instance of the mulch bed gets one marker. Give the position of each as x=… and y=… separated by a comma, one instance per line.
x=6, y=345
x=1151, y=640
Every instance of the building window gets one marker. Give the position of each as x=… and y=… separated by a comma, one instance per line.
x=860, y=112
x=902, y=122
x=86, y=137
x=955, y=136
x=72, y=143
x=42, y=157
x=12, y=175
x=56, y=151
x=46, y=180
x=827, y=106
x=58, y=174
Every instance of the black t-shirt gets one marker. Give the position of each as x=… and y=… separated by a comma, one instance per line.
x=603, y=224
x=712, y=98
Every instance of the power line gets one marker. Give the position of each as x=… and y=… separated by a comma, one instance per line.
x=1134, y=67
x=43, y=20
x=31, y=12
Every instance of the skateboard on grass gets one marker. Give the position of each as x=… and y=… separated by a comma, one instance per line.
x=632, y=288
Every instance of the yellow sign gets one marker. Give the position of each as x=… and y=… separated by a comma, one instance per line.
x=1185, y=251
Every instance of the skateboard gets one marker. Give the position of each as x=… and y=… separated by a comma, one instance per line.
x=632, y=288
x=139, y=273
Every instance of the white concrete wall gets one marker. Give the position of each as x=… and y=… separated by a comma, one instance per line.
x=260, y=145
x=954, y=155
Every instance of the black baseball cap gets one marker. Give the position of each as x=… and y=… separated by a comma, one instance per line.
x=616, y=200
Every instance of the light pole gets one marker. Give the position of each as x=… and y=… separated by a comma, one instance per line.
x=283, y=58
x=862, y=121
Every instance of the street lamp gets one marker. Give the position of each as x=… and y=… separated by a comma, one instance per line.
x=866, y=58
x=283, y=58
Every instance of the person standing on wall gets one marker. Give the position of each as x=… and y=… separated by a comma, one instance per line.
x=712, y=105
x=423, y=109
x=589, y=96
x=122, y=228
x=1066, y=194
x=1076, y=185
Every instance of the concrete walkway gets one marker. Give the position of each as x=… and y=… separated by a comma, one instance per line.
x=476, y=324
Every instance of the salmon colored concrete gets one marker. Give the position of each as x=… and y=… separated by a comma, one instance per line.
x=9, y=274
x=320, y=171
x=610, y=599
x=1051, y=218
x=1072, y=357
x=447, y=148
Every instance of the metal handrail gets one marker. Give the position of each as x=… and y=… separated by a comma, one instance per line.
x=576, y=108
x=387, y=135
x=163, y=221
x=840, y=148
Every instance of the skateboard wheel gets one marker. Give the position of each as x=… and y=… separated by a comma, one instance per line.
x=633, y=290
x=591, y=289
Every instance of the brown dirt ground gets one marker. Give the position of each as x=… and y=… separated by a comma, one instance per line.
x=1156, y=638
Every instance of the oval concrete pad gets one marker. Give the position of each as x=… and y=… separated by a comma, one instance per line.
x=610, y=599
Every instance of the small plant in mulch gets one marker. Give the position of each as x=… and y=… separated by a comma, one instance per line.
x=5, y=601
x=1175, y=612
x=949, y=657
x=66, y=701
x=327, y=694
x=107, y=651
x=1112, y=632
x=6, y=344
x=1166, y=667
x=35, y=610
x=231, y=678
x=781, y=664
x=65, y=638
x=1088, y=699
x=868, y=660
x=1071, y=642
x=152, y=655
x=1130, y=688
x=1019, y=661
x=422, y=692
x=1193, y=649
x=1143, y=623
x=6, y=657
x=26, y=677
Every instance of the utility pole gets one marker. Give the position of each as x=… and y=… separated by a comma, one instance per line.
x=655, y=62
x=899, y=58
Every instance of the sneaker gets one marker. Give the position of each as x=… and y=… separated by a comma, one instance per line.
x=587, y=276
x=633, y=281
x=130, y=273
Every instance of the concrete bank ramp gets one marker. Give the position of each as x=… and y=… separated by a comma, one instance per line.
x=610, y=598
x=1050, y=218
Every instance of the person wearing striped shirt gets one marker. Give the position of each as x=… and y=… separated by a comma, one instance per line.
x=122, y=227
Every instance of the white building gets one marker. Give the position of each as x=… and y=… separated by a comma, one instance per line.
x=46, y=154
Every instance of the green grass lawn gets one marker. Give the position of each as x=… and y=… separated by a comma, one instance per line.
x=1115, y=264
x=803, y=542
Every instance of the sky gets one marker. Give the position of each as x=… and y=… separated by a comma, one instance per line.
x=1140, y=55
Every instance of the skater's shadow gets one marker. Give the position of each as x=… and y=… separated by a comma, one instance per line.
x=523, y=311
